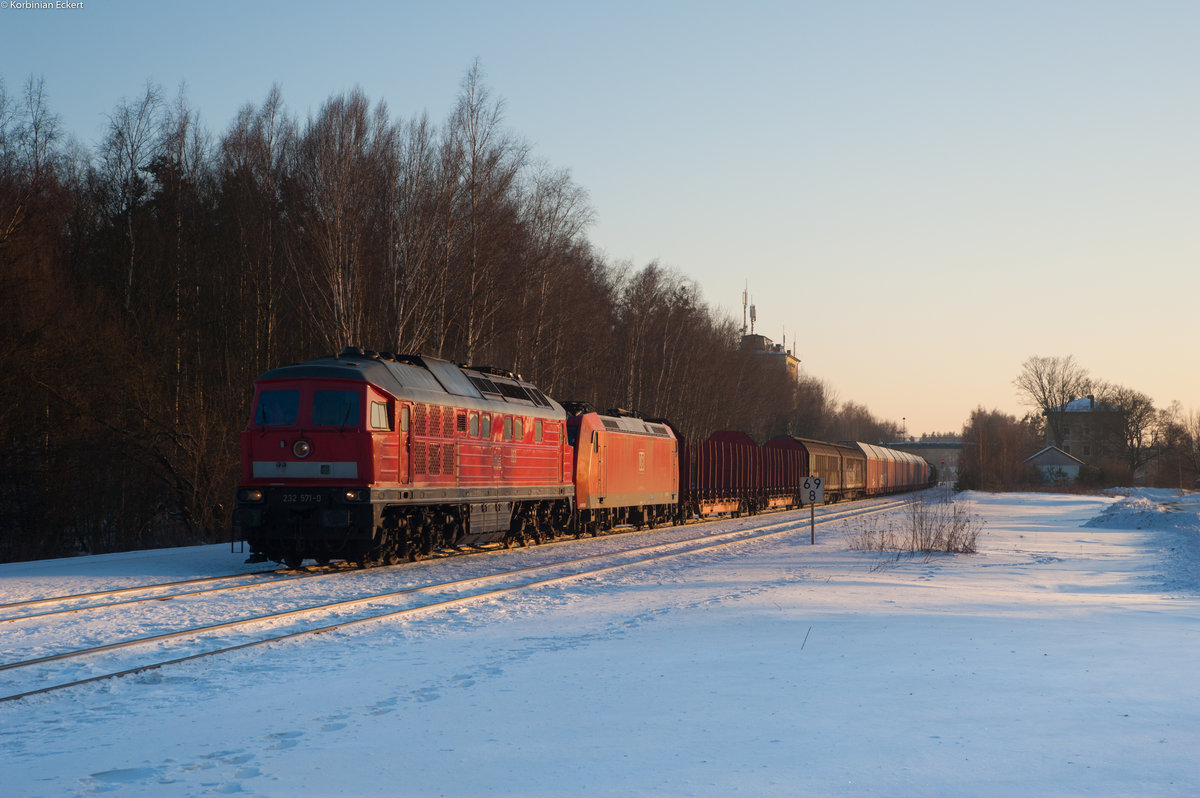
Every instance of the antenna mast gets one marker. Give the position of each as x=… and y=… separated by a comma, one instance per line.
x=745, y=300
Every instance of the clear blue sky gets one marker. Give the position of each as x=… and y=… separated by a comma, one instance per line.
x=921, y=195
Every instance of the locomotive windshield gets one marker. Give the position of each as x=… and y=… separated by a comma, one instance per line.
x=335, y=408
x=277, y=408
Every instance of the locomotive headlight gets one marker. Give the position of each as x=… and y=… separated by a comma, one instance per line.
x=354, y=496
x=302, y=449
x=250, y=495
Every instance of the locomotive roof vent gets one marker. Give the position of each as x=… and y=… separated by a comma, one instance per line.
x=621, y=412
x=352, y=351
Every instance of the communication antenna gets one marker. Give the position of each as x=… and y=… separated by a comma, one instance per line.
x=745, y=300
x=753, y=318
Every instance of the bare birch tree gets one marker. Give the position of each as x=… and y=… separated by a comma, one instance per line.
x=489, y=161
x=129, y=149
x=1049, y=384
x=255, y=157
x=341, y=176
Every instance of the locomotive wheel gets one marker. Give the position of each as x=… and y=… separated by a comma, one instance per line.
x=293, y=562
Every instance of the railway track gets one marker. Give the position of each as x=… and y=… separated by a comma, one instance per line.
x=69, y=668
x=50, y=606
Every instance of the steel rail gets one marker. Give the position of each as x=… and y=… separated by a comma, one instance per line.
x=133, y=588
x=284, y=577
x=679, y=548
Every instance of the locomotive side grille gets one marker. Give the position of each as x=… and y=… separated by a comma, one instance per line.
x=462, y=423
x=435, y=459
x=448, y=459
x=419, y=420
x=448, y=423
x=435, y=420
x=418, y=458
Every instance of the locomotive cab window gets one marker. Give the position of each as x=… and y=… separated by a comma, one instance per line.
x=474, y=431
x=508, y=428
x=487, y=426
x=519, y=430
x=404, y=416
x=335, y=408
x=537, y=431
x=277, y=408
x=380, y=418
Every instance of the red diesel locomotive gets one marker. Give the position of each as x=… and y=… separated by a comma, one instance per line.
x=373, y=457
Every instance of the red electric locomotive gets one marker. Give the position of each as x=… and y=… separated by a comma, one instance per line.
x=374, y=457
x=626, y=468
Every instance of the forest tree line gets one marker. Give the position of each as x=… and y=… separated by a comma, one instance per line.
x=145, y=281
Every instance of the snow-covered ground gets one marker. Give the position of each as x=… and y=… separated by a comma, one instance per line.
x=1062, y=659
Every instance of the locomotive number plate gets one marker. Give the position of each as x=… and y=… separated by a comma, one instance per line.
x=301, y=498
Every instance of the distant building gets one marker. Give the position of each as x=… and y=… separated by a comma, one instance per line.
x=942, y=455
x=762, y=346
x=1084, y=428
x=1056, y=465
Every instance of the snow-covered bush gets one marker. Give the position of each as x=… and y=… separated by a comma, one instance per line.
x=925, y=528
